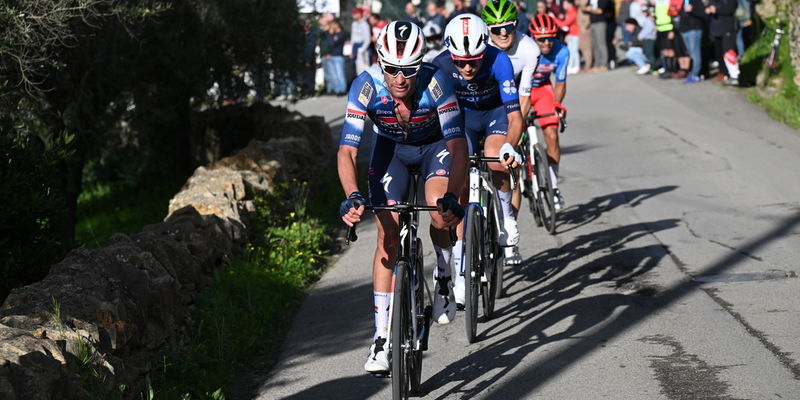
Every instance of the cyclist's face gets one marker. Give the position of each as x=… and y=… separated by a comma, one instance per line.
x=468, y=70
x=399, y=86
x=545, y=44
x=502, y=35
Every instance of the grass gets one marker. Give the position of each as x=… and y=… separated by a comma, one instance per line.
x=248, y=310
x=778, y=94
x=124, y=207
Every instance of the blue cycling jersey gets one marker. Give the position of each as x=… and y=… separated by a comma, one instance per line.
x=435, y=115
x=493, y=86
x=556, y=60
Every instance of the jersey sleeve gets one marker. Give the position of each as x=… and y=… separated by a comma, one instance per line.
x=361, y=93
x=562, y=59
x=531, y=53
x=503, y=71
x=443, y=94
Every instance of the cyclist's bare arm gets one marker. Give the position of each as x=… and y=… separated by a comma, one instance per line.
x=524, y=105
x=515, y=126
x=559, y=91
x=458, y=164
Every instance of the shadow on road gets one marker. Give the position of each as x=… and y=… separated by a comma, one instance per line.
x=582, y=214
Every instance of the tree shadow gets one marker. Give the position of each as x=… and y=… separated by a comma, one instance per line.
x=582, y=214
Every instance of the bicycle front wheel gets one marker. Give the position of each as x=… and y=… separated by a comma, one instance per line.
x=402, y=334
x=546, y=195
x=492, y=267
x=472, y=270
x=529, y=177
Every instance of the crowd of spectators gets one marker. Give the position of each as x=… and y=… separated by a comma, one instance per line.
x=678, y=39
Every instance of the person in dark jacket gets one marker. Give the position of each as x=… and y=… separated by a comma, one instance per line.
x=692, y=23
x=723, y=30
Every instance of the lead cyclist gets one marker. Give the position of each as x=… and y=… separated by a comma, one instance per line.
x=501, y=18
x=418, y=124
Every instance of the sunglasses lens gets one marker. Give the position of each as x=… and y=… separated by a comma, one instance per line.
x=394, y=71
x=498, y=30
x=544, y=39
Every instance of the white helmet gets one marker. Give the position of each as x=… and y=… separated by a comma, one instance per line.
x=401, y=44
x=466, y=36
x=431, y=29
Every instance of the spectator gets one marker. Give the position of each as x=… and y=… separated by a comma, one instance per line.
x=634, y=48
x=624, y=12
x=723, y=29
x=541, y=8
x=522, y=17
x=435, y=16
x=554, y=9
x=412, y=14
x=665, y=39
x=335, y=58
x=743, y=16
x=584, y=23
x=570, y=25
x=692, y=23
x=648, y=36
x=600, y=11
x=360, y=37
x=308, y=60
x=458, y=9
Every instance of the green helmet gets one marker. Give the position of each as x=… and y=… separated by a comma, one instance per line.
x=499, y=11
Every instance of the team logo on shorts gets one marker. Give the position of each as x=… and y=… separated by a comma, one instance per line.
x=441, y=172
x=391, y=202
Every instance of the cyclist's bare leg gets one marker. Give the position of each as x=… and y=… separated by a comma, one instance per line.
x=435, y=189
x=516, y=199
x=553, y=147
x=385, y=251
x=491, y=148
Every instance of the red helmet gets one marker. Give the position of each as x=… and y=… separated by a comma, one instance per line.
x=543, y=25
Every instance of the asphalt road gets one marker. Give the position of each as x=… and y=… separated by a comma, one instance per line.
x=673, y=274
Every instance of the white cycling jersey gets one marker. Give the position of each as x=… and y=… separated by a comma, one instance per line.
x=524, y=55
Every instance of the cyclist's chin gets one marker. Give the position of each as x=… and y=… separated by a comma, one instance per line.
x=400, y=91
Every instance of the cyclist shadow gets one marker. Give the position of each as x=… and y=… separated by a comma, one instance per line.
x=552, y=303
x=579, y=215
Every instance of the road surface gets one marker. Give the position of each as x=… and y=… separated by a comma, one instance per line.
x=673, y=274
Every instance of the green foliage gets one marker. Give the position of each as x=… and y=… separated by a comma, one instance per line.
x=250, y=306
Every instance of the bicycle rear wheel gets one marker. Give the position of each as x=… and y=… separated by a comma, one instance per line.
x=423, y=323
x=546, y=194
x=402, y=334
x=529, y=178
x=492, y=267
x=472, y=277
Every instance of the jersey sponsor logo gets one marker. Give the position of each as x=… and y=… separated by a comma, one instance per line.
x=457, y=76
x=384, y=99
x=355, y=114
x=365, y=94
x=441, y=156
x=441, y=172
x=436, y=90
x=472, y=86
x=509, y=87
x=451, y=131
x=448, y=108
x=352, y=138
x=384, y=112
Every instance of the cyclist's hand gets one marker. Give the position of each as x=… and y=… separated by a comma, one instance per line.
x=513, y=159
x=450, y=209
x=351, y=209
x=561, y=110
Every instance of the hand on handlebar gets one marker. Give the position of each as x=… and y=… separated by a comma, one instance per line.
x=450, y=209
x=509, y=156
x=351, y=209
x=561, y=110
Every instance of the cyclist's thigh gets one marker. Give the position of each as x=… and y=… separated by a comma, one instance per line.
x=543, y=103
x=387, y=174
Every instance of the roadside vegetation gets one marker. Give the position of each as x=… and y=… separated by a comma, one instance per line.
x=776, y=92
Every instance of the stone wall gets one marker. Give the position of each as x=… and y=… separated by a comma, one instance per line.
x=116, y=309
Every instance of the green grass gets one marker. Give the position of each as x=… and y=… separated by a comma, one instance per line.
x=249, y=308
x=123, y=207
x=779, y=95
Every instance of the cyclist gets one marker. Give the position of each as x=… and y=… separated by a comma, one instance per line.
x=433, y=40
x=418, y=124
x=546, y=98
x=486, y=91
x=501, y=18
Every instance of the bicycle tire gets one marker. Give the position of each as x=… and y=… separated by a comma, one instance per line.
x=491, y=266
x=401, y=337
x=546, y=193
x=529, y=176
x=415, y=366
x=472, y=280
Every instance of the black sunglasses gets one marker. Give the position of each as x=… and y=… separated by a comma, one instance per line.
x=464, y=63
x=407, y=72
x=498, y=30
x=545, y=39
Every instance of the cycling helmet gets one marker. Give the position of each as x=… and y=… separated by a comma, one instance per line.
x=466, y=36
x=543, y=25
x=400, y=44
x=499, y=11
x=431, y=29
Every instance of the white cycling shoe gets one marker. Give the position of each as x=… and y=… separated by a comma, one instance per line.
x=509, y=235
x=512, y=256
x=558, y=200
x=444, y=302
x=458, y=291
x=378, y=360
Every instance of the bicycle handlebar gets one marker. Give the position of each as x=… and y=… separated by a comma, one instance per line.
x=398, y=208
x=511, y=170
x=533, y=117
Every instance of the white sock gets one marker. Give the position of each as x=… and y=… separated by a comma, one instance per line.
x=458, y=257
x=381, y=301
x=731, y=62
x=505, y=204
x=443, y=256
x=554, y=174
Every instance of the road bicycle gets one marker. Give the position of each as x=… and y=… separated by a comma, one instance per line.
x=410, y=307
x=482, y=268
x=536, y=183
x=771, y=61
